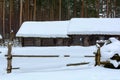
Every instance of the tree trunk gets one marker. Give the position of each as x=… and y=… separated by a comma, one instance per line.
x=97, y=7
x=60, y=9
x=21, y=11
x=51, y=10
x=26, y=10
x=31, y=10
x=107, y=8
x=82, y=11
x=68, y=8
x=3, y=18
x=34, y=14
x=10, y=15
x=75, y=12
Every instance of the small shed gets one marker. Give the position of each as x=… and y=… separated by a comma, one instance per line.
x=85, y=31
x=43, y=33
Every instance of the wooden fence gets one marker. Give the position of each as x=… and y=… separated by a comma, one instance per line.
x=10, y=56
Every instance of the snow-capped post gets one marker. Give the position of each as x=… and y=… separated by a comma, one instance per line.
x=9, y=55
x=97, y=57
x=99, y=44
x=9, y=58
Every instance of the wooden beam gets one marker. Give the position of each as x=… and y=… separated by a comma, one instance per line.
x=104, y=62
x=89, y=56
x=37, y=55
x=34, y=56
x=16, y=68
x=77, y=64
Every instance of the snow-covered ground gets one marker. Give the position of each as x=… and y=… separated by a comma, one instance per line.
x=55, y=68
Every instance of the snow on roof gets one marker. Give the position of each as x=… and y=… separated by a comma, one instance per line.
x=94, y=26
x=76, y=26
x=0, y=37
x=44, y=29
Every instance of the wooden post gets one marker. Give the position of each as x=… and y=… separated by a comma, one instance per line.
x=97, y=57
x=9, y=58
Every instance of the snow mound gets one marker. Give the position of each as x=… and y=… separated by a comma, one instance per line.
x=108, y=50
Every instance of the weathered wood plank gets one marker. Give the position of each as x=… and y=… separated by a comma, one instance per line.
x=76, y=64
x=34, y=55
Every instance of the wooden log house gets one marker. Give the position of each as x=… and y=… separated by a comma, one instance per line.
x=85, y=31
x=44, y=33
x=77, y=31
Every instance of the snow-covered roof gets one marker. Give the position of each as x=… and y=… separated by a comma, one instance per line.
x=94, y=26
x=75, y=26
x=0, y=37
x=44, y=29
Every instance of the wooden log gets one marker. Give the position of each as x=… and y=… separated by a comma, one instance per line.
x=76, y=64
x=16, y=68
x=66, y=55
x=89, y=56
x=105, y=62
x=34, y=56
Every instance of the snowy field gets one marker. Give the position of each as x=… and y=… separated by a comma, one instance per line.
x=55, y=68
